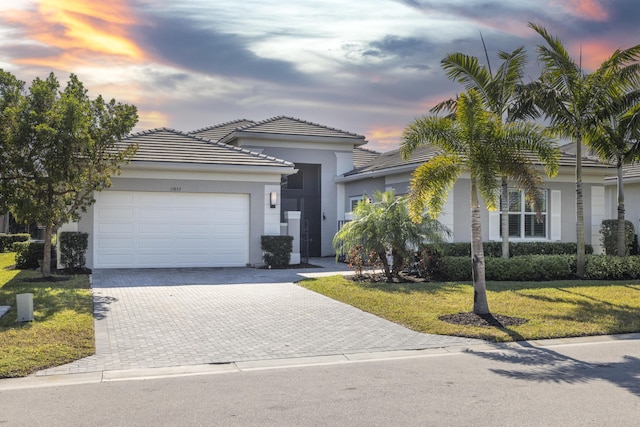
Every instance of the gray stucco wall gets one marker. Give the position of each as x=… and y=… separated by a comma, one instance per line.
x=328, y=161
x=254, y=189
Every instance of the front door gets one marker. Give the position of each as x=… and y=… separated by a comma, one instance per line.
x=301, y=192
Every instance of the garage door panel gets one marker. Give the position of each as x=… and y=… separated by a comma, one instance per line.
x=139, y=229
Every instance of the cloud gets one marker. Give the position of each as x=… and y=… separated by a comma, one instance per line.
x=187, y=44
x=403, y=47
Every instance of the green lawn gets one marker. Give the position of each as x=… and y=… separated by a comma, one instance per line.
x=552, y=309
x=62, y=330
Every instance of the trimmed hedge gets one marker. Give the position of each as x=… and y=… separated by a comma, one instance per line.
x=542, y=268
x=522, y=268
x=73, y=247
x=276, y=250
x=7, y=240
x=494, y=249
x=28, y=254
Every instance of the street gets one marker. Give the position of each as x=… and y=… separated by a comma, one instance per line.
x=581, y=384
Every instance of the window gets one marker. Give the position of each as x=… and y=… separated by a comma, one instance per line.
x=353, y=201
x=523, y=223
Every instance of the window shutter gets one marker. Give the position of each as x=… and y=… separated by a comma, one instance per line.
x=494, y=226
x=556, y=216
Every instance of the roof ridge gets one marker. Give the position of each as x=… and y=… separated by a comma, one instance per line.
x=368, y=150
x=221, y=125
x=273, y=119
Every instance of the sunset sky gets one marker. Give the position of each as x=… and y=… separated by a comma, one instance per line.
x=366, y=66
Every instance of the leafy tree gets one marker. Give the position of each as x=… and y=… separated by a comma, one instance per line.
x=499, y=93
x=570, y=99
x=384, y=224
x=478, y=143
x=60, y=147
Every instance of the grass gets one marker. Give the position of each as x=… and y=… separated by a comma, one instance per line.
x=552, y=309
x=62, y=330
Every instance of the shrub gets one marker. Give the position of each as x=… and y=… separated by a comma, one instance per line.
x=609, y=238
x=7, y=240
x=276, y=250
x=73, y=248
x=608, y=267
x=430, y=263
x=494, y=249
x=28, y=254
x=523, y=268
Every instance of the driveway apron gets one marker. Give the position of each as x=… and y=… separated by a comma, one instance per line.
x=177, y=317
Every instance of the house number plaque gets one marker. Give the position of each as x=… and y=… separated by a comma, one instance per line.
x=175, y=189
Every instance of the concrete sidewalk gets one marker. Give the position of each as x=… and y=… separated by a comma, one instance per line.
x=161, y=318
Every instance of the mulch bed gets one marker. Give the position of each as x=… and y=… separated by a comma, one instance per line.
x=484, y=320
x=46, y=279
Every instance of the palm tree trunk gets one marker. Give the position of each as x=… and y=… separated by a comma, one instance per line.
x=621, y=241
x=480, y=303
x=504, y=208
x=580, y=255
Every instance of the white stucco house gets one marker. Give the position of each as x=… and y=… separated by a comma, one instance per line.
x=204, y=198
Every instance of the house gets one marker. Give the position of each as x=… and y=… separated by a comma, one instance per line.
x=204, y=198
x=631, y=179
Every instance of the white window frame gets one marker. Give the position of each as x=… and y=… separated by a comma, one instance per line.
x=527, y=214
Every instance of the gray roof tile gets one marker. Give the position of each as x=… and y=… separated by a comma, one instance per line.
x=362, y=156
x=171, y=146
x=217, y=132
x=393, y=159
x=283, y=125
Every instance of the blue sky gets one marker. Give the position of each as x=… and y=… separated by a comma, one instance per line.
x=368, y=67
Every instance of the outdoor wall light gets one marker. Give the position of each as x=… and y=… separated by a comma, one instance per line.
x=273, y=199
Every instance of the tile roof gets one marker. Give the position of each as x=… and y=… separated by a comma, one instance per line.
x=217, y=132
x=283, y=125
x=393, y=159
x=171, y=146
x=362, y=156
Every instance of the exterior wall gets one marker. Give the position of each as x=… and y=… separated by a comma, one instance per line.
x=631, y=202
x=261, y=220
x=331, y=158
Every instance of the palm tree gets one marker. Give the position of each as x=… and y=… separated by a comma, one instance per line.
x=615, y=139
x=383, y=224
x=478, y=143
x=570, y=98
x=499, y=93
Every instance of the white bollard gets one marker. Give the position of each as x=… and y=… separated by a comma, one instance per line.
x=24, y=304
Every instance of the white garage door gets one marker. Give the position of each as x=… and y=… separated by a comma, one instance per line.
x=144, y=229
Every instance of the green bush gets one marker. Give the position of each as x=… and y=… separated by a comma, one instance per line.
x=73, y=248
x=522, y=268
x=7, y=240
x=609, y=238
x=608, y=267
x=494, y=249
x=276, y=250
x=28, y=254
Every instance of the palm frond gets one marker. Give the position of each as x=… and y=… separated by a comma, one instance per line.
x=430, y=185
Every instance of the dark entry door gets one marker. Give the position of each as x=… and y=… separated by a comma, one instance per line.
x=301, y=192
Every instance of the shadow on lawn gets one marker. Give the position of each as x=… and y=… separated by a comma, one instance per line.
x=49, y=298
x=546, y=365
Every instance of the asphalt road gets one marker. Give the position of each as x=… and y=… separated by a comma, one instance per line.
x=580, y=384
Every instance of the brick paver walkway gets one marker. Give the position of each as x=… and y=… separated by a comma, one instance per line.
x=148, y=319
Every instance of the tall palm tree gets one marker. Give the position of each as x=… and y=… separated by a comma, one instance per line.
x=570, y=98
x=499, y=93
x=615, y=138
x=478, y=143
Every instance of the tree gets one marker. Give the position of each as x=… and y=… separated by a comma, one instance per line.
x=11, y=90
x=615, y=138
x=478, y=143
x=60, y=148
x=499, y=94
x=570, y=98
x=383, y=224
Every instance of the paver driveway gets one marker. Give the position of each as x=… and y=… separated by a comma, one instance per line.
x=177, y=317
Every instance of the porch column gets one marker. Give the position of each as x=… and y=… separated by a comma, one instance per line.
x=293, y=229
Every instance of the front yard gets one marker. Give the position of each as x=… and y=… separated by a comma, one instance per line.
x=552, y=309
x=62, y=330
